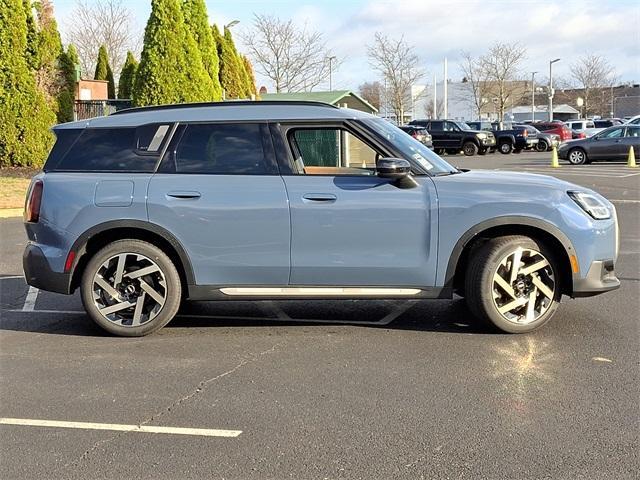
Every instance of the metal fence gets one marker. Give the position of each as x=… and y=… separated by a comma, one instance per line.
x=84, y=109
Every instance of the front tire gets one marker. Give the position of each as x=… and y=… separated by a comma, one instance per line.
x=131, y=288
x=513, y=283
x=542, y=146
x=470, y=149
x=577, y=156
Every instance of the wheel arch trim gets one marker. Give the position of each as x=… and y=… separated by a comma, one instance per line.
x=509, y=220
x=80, y=244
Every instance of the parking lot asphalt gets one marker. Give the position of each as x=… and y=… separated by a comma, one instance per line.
x=352, y=389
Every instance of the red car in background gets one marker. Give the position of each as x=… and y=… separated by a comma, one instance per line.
x=555, y=127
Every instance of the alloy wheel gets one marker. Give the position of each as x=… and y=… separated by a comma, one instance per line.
x=129, y=289
x=577, y=157
x=524, y=286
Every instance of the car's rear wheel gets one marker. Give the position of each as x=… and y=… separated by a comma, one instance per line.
x=577, y=156
x=513, y=283
x=470, y=149
x=440, y=151
x=131, y=288
x=542, y=146
x=505, y=148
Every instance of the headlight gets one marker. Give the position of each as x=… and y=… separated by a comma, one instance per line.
x=481, y=136
x=591, y=204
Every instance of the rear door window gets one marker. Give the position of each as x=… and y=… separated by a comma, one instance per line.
x=116, y=150
x=232, y=149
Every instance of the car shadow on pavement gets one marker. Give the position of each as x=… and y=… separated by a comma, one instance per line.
x=423, y=316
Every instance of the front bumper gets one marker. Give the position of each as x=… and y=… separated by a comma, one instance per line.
x=38, y=272
x=600, y=278
x=488, y=142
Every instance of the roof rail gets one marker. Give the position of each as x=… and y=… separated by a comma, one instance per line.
x=230, y=103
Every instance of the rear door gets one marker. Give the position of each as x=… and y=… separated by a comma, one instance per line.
x=632, y=139
x=438, y=135
x=218, y=190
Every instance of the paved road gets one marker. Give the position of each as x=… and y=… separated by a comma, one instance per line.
x=422, y=393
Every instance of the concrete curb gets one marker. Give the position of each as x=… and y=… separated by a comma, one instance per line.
x=10, y=212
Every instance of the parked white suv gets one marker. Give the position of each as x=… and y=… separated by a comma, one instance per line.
x=633, y=120
x=584, y=126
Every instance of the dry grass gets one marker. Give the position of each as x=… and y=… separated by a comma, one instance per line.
x=13, y=186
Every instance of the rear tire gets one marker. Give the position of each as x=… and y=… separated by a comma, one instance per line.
x=505, y=148
x=470, y=149
x=513, y=302
x=124, y=303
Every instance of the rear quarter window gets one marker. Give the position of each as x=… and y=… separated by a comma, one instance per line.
x=115, y=149
x=64, y=139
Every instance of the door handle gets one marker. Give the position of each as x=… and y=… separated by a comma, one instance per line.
x=320, y=197
x=183, y=194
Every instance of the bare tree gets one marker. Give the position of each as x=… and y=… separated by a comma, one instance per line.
x=398, y=64
x=593, y=74
x=428, y=109
x=502, y=66
x=294, y=58
x=102, y=22
x=372, y=93
x=477, y=81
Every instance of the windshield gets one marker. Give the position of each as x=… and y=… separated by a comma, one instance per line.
x=463, y=126
x=409, y=147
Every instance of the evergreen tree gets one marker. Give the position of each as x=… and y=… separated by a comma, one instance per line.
x=49, y=49
x=31, y=50
x=197, y=22
x=230, y=67
x=250, y=76
x=25, y=116
x=171, y=69
x=69, y=61
x=127, y=76
x=104, y=72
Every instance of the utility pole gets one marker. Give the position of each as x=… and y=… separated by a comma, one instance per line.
x=435, y=98
x=551, y=88
x=444, y=99
x=533, y=96
x=331, y=59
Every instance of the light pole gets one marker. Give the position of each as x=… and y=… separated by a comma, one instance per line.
x=232, y=23
x=551, y=88
x=533, y=96
x=331, y=59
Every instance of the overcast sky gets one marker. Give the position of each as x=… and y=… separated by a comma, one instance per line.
x=547, y=28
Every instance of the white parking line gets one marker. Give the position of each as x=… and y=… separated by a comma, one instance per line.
x=30, y=299
x=202, y=432
x=616, y=200
x=11, y=277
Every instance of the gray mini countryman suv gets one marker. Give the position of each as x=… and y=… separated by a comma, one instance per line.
x=279, y=200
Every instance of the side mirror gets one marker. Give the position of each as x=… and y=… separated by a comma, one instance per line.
x=394, y=168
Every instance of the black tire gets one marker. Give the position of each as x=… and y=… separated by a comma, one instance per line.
x=470, y=149
x=480, y=283
x=542, y=146
x=505, y=148
x=439, y=151
x=483, y=151
x=577, y=156
x=169, y=285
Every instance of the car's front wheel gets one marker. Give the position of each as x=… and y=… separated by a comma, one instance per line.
x=513, y=283
x=542, y=146
x=131, y=288
x=577, y=156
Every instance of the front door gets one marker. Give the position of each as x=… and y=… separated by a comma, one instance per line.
x=219, y=193
x=608, y=145
x=350, y=227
